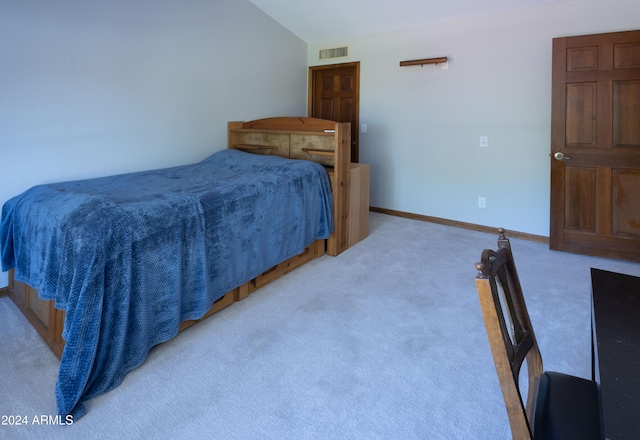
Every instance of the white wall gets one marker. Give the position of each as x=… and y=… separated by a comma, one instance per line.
x=98, y=88
x=424, y=123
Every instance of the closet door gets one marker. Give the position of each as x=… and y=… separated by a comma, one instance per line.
x=334, y=92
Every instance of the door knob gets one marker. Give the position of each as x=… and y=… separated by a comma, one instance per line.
x=560, y=156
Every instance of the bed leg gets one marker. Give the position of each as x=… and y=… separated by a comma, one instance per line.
x=242, y=292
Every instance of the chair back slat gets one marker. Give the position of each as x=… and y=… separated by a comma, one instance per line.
x=510, y=333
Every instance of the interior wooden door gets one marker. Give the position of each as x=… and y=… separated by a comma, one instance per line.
x=595, y=145
x=334, y=93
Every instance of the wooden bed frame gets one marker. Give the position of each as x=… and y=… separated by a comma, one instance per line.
x=318, y=140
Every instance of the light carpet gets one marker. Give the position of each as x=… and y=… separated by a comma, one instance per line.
x=385, y=341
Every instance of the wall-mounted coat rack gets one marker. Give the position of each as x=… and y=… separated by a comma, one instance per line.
x=423, y=61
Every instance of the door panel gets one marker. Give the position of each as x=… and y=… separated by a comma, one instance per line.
x=582, y=58
x=626, y=108
x=326, y=109
x=580, y=211
x=595, y=180
x=626, y=209
x=581, y=114
x=627, y=56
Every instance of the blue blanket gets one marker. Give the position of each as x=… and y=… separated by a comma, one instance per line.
x=130, y=257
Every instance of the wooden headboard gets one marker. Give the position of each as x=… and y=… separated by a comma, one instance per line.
x=318, y=140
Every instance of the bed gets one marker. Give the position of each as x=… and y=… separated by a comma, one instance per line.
x=107, y=268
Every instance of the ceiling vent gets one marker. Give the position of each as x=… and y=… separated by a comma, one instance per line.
x=334, y=52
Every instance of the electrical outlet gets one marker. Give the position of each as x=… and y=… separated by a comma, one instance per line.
x=484, y=141
x=482, y=202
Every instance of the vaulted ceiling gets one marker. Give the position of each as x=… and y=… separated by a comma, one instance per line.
x=314, y=21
